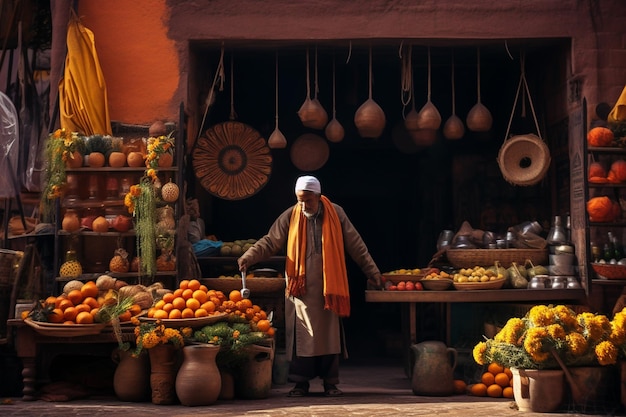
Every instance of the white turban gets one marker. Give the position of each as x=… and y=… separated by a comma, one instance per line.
x=308, y=183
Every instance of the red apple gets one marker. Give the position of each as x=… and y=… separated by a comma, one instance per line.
x=410, y=286
x=419, y=286
x=122, y=223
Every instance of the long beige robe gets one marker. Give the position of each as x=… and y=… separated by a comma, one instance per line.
x=314, y=331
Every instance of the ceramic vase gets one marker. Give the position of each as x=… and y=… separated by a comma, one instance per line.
x=198, y=381
x=163, y=368
x=255, y=375
x=131, y=381
x=538, y=390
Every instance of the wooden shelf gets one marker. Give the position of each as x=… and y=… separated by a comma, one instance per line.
x=120, y=169
x=609, y=150
x=597, y=281
x=473, y=296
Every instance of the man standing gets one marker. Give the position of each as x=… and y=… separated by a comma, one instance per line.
x=316, y=232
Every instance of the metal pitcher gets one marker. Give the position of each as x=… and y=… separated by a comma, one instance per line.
x=434, y=361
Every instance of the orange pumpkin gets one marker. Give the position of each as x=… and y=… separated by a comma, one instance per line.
x=598, y=180
x=601, y=209
x=619, y=170
x=600, y=137
x=117, y=159
x=596, y=170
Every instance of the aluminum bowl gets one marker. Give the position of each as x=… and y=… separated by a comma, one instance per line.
x=562, y=259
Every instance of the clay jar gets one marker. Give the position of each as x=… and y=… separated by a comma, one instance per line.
x=131, y=380
x=198, y=381
x=71, y=222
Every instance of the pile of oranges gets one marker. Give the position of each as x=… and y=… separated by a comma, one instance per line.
x=496, y=382
x=80, y=306
x=193, y=299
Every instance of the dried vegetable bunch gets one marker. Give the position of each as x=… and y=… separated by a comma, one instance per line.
x=151, y=334
x=547, y=335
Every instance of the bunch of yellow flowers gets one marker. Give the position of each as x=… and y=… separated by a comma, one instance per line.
x=151, y=334
x=547, y=333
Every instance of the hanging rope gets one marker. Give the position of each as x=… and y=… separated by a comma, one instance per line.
x=523, y=81
x=406, y=77
x=453, y=93
x=233, y=115
x=219, y=77
x=276, y=88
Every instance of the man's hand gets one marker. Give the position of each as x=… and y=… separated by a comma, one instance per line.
x=374, y=283
x=243, y=264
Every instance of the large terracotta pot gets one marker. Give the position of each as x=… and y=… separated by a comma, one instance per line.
x=131, y=381
x=163, y=369
x=536, y=390
x=593, y=385
x=198, y=381
x=255, y=376
x=433, y=361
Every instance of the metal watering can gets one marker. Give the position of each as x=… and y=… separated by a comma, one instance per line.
x=434, y=361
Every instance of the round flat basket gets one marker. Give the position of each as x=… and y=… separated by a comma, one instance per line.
x=309, y=152
x=524, y=159
x=469, y=258
x=65, y=330
x=489, y=285
x=255, y=285
x=609, y=271
x=395, y=278
x=232, y=161
x=436, y=284
x=195, y=322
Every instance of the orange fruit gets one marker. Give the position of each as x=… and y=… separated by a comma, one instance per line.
x=507, y=392
x=159, y=304
x=56, y=316
x=502, y=379
x=200, y=296
x=216, y=301
x=75, y=296
x=169, y=297
x=167, y=307
x=65, y=304
x=125, y=316
x=179, y=303
x=50, y=300
x=194, y=284
x=187, y=294
x=264, y=325
x=494, y=391
x=271, y=332
x=69, y=314
x=151, y=311
x=235, y=295
x=91, y=302
x=94, y=312
x=175, y=314
x=68, y=322
x=89, y=289
x=24, y=314
x=203, y=288
x=495, y=368
x=84, y=318
x=459, y=386
x=135, y=309
x=160, y=314
x=488, y=379
x=508, y=373
x=178, y=292
x=246, y=303
x=209, y=306
x=188, y=313
x=184, y=284
x=200, y=313
x=479, y=389
x=193, y=304
x=82, y=307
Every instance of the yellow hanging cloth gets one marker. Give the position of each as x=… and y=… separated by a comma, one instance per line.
x=618, y=114
x=82, y=91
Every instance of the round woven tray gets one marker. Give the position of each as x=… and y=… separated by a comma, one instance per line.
x=469, y=258
x=609, y=271
x=256, y=284
x=65, y=330
x=489, y=285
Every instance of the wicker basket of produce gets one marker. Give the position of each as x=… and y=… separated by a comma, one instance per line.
x=468, y=258
x=609, y=271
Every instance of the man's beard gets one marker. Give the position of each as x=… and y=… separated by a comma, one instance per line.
x=309, y=214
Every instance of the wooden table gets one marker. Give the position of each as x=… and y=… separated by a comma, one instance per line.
x=28, y=342
x=473, y=296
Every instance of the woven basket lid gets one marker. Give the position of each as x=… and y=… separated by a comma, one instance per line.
x=232, y=161
x=309, y=152
x=524, y=159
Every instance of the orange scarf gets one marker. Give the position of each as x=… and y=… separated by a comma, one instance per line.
x=336, y=291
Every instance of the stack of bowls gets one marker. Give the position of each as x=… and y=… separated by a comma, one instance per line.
x=562, y=266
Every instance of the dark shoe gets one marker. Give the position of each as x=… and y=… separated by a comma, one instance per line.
x=300, y=390
x=331, y=390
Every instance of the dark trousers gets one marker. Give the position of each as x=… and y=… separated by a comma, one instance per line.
x=303, y=369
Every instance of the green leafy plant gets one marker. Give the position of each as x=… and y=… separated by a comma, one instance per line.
x=232, y=337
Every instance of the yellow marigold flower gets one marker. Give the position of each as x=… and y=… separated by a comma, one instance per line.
x=479, y=352
x=617, y=336
x=566, y=315
x=135, y=190
x=556, y=331
x=236, y=334
x=511, y=332
x=541, y=315
x=187, y=331
x=606, y=352
x=534, y=344
x=577, y=344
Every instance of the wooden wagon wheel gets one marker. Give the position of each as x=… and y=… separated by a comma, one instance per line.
x=232, y=161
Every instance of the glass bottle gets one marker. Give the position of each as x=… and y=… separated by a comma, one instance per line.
x=557, y=234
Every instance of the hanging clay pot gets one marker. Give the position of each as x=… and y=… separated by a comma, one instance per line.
x=277, y=140
x=311, y=113
x=479, y=118
x=428, y=117
x=369, y=118
x=453, y=128
x=198, y=381
x=334, y=130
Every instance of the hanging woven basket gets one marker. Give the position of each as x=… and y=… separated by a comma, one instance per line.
x=524, y=159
